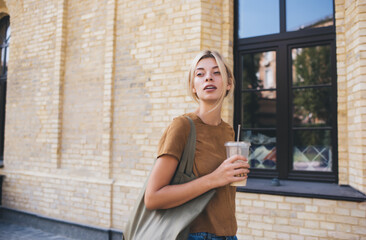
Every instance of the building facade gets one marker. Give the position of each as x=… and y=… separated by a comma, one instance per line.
x=91, y=86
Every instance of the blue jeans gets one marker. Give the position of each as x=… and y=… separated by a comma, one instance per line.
x=209, y=236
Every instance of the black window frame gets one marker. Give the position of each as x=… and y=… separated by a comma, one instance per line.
x=4, y=44
x=282, y=43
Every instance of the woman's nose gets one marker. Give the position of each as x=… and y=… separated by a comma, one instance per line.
x=208, y=77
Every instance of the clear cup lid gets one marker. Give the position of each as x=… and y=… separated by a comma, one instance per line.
x=237, y=144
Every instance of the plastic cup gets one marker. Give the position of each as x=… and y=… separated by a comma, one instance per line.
x=238, y=148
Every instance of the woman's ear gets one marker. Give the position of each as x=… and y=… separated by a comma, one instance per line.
x=228, y=87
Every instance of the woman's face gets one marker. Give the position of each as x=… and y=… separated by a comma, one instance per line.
x=208, y=84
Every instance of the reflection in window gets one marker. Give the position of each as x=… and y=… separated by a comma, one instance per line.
x=4, y=51
x=259, y=84
x=311, y=66
x=312, y=108
x=308, y=14
x=311, y=79
x=259, y=109
x=4, y=41
x=262, y=152
x=312, y=150
x=252, y=24
x=262, y=17
x=259, y=70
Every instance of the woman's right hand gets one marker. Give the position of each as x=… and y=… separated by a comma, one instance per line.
x=230, y=171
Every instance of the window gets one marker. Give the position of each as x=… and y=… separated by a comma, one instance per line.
x=285, y=100
x=4, y=57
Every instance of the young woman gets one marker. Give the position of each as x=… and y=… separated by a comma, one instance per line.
x=210, y=81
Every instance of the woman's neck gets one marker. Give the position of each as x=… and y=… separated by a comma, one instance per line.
x=209, y=116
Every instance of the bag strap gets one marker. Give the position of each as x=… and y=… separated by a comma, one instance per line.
x=187, y=159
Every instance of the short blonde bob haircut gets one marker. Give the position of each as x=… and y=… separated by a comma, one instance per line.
x=226, y=74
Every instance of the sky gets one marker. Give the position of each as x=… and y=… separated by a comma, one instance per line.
x=261, y=17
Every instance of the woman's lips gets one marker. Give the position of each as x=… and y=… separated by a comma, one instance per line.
x=210, y=88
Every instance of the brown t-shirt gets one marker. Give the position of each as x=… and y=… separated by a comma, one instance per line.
x=219, y=215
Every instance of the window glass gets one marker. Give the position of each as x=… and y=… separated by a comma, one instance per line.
x=312, y=89
x=8, y=32
x=312, y=107
x=259, y=109
x=4, y=56
x=262, y=152
x=259, y=95
x=312, y=150
x=311, y=66
x=259, y=70
x=258, y=17
x=308, y=14
x=4, y=42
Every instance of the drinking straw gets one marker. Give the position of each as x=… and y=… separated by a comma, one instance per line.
x=237, y=140
x=238, y=136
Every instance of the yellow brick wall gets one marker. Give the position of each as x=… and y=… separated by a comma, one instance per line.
x=60, y=197
x=52, y=167
x=82, y=106
x=93, y=84
x=263, y=216
x=29, y=118
x=351, y=74
x=342, y=93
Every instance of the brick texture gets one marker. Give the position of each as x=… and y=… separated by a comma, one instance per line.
x=350, y=30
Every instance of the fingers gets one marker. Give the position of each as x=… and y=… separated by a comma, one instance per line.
x=241, y=169
x=241, y=172
x=240, y=164
x=234, y=158
x=237, y=178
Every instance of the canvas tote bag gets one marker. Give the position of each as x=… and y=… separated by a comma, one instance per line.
x=173, y=223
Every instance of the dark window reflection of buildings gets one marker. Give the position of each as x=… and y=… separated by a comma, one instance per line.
x=267, y=78
x=260, y=110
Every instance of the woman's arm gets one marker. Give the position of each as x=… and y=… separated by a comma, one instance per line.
x=160, y=195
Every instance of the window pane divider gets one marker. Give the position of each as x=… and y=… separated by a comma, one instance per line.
x=259, y=90
x=312, y=128
x=312, y=86
x=258, y=129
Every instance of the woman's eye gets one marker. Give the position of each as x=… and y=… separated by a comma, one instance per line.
x=199, y=74
x=217, y=73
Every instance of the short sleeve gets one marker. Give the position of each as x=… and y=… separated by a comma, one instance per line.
x=174, y=138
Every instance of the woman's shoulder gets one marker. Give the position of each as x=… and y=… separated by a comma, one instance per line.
x=174, y=138
x=181, y=122
x=228, y=129
x=227, y=126
x=190, y=115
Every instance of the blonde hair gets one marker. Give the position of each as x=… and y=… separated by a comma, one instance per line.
x=226, y=74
